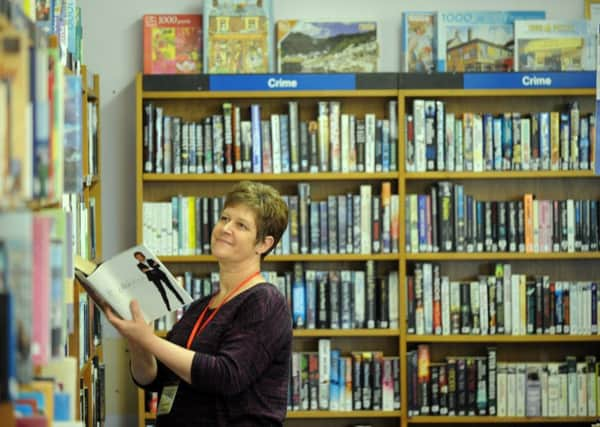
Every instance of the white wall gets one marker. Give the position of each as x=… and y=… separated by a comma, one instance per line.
x=113, y=48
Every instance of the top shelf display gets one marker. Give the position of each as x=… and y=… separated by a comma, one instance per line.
x=368, y=81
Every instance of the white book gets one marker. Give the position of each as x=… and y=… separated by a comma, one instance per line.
x=445, y=284
x=507, y=290
x=553, y=390
x=419, y=135
x=570, y=225
x=428, y=297
x=370, y=124
x=324, y=374
x=484, y=317
x=582, y=399
x=511, y=390
x=365, y=218
x=275, y=144
x=521, y=389
x=477, y=143
x=393, y=286
x=345, y=143
x=515, y=298
x=501, y=389
x=334, y=136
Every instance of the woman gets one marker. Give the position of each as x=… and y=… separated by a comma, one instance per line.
x=226, y=362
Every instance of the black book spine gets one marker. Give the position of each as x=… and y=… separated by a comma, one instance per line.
x=555, y=226
x=435, y=389
x=492, y=399
x=452, y=386
x=471, y=367
x=323, y=300
x=481, y=388
x=502, y=229
x=530, y=303
x=461, y=387
x=410, y=305
x=539, y=308
x=520, y=226
x=465, y=308
x=512, y=239
x=443, y=389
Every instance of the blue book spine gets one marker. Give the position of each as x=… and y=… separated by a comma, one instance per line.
x=385, y=140
x=423, y=222
x=299, y=298
x=497, y=130
x=256, y=138
x=334, y=380
x=324, y=226
x=507, y=142
x=284, y=140
x=584, y=143
x=544, y=140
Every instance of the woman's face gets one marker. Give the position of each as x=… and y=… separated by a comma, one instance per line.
x=234, y=236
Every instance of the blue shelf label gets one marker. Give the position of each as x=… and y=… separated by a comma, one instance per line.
x=281, y=82
x=531, y=80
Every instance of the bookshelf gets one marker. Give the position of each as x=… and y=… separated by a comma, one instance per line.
x=193, y=98
x=43, y=196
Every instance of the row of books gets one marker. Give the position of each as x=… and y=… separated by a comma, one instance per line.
x=282, y=143
x=448, y=220
x=503, y=303
x=480, y=385
x=520, y=40
x=340, y=299
x=319, y=299
x=328, y=380
x=347, y=223
x=478, y=142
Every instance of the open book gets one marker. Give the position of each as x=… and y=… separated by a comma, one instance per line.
x=135, y=273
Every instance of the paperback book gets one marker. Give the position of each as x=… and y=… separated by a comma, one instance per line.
x=135, y=273
x=326, y=47
x=478, y=40
x=172, y=44
x=554, y=45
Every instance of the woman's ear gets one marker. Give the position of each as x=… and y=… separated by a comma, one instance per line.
x=265, y=245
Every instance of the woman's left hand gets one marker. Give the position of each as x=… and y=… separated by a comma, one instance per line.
x=136, y=331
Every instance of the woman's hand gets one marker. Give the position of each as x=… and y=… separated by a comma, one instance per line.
x=137, y=332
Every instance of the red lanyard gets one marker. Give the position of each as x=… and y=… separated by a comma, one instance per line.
x=200, y=326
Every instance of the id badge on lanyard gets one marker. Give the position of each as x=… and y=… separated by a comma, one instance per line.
x=166, y=399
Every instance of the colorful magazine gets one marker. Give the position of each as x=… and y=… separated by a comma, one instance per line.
x=172, y=44
x=554, y=45
x=478, y=40
x=326, y=47
x=419, y=41
x=238, y=36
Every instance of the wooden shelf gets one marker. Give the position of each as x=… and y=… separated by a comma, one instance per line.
x=301, y=176
x=493, y=420
x=500, y=175
x=490, y=93
x=320, y=94
x=343, y=414
x=310, y=333
x=493, y=256
x=288, y=258
x=471, y=339
x=7, y=414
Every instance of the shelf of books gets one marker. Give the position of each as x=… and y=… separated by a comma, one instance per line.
x=42, y=224
x=443, y=233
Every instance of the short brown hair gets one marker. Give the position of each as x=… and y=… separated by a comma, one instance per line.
x=270, y=210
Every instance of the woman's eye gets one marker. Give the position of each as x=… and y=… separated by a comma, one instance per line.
x=223, y=218
x=242, y=226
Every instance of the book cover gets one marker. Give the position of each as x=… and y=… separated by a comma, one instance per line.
x=478, y=40
x=238, y=36
x=419, y=41
x=172, y=44
x=73, y=137
x=326, y=47
x=554, y=45
x=135, y=273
